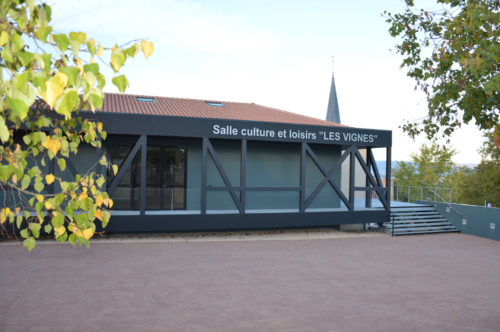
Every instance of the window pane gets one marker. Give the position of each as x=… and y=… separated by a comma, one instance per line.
x=153, y=175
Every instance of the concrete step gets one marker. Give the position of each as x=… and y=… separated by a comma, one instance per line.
x=406, y=221
x=422, y=225
x=412, y=220
x=425, y=232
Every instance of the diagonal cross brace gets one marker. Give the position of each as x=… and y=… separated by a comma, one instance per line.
x=126, y=164
x=223, y=174
x=372, y=180
x=373, y=164
x=328, y=177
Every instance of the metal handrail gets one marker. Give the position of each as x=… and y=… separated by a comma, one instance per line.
x=451, y=207
x=433, y=189
x=436, y=195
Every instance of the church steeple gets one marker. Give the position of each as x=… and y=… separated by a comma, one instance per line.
x=333, y=113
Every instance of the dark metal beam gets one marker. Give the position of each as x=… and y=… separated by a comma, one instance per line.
x=368, y=194
x=243, y=175
x=388, y=181
x=204, y=162
x=126, y=164
x=302, y=197
x=223, y=174
x=328, y=177
x=352, y=172
x=233, y=188
x=370, y=178
x=374, y=167
x=144, y=149
x=71, y=167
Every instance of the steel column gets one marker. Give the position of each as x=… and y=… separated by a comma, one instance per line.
x=302, y=195
x=243, y=175
x=388, y=178
x=352, y=170
x=144, y=149
x=203, y=199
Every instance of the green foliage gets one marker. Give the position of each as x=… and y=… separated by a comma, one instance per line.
x=483, y=184
x=45, y=79
x=432, y=166
x=453, y=53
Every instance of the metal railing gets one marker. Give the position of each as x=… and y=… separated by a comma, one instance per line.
x=404, y=194
x=413, y=193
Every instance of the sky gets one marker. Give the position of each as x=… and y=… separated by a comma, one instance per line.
x=274, y=53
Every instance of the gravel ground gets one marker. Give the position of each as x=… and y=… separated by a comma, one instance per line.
x=187, y=282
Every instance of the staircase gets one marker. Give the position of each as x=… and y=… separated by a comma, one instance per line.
x=418, y=219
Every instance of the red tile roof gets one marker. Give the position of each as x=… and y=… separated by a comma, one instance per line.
x=125, y=103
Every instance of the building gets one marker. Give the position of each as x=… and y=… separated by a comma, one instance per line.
x=189, y=164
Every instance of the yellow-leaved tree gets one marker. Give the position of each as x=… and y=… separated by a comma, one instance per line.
x=46, y=78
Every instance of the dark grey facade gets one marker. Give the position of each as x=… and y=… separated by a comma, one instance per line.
x=185, y=174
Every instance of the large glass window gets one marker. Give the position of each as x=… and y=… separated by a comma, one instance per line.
x=166, y=178
x=165, y=174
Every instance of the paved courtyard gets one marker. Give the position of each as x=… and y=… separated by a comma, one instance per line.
x=448, y=282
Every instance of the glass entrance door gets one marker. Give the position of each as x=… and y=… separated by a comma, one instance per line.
x=166, y=178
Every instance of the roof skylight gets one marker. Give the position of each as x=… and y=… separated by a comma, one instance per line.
x=214, y=103
x=146, y=99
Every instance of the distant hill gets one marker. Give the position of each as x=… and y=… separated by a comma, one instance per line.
x=381, y=166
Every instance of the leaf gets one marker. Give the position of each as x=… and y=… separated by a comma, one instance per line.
x=72, y=73
x=53, y=145
x=115, y=169
x=66, y=104
x=17, y=106
x=39, y=186
x=17, y=42
x=100, y=181
x=76, y=40
x=57, y=220
x=19, y=220
x=42, y=33
x=96, y=100
x=121, y=82
x=147, y=48
x=49, y=178
x=62, y=41
x=87, y=233
x=100, y=50
x=72, y=239
x=29, y=243
x=35, y=229
x=7, y=54
x=132, y=50
x=47, y=228
x=62, y=164
x=4, y=38
x=4, y=131
x=59, y=230
x=21, y=82
x=91, y=46
x=24, y=233
x=91, y=68
x=117, y=59
x=25, y=182
x=54, y=88
x=98, y=214
x=105, y=218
